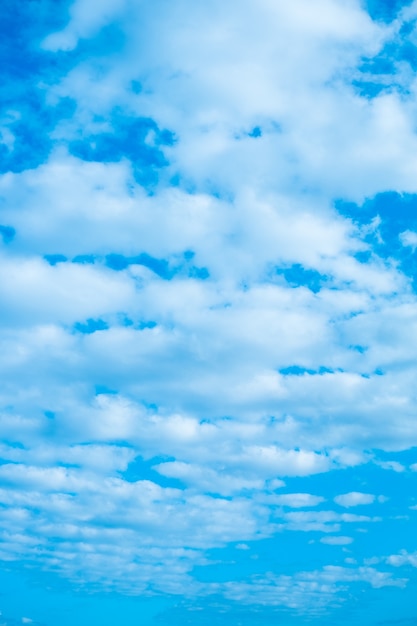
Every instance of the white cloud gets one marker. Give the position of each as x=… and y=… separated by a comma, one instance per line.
x=195, y=376
x=337, y=540
x=297, y=500
x=403, y=558
x=394, y=466
x=324, y=521
x=86, y=21
x=311, y=590
x=36, y=293
x=207, y=479
x=354, y=498
x=409, y=239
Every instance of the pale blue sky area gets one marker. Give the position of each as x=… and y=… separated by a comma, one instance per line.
x=208, y=313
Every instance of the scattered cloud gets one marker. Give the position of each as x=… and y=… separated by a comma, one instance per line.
x=339, y=540
x=354, y=498
x=207, y=278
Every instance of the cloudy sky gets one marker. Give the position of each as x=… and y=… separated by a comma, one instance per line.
x=208, y=305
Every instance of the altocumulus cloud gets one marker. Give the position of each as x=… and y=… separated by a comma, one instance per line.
x=208, y=226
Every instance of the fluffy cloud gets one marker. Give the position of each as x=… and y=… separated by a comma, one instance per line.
x=315, y=590
x=188, y=317
x=354, y=498
x=404, y=558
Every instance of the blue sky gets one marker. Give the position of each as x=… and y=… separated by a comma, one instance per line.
x=208, y=235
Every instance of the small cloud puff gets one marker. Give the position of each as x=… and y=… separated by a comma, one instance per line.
x=403, y=558
x=394, y=466
x=354, y=498
x=298, y=500
x=338, y=540
x=409, y=239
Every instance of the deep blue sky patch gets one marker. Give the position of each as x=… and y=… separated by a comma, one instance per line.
x=127, y=140
x=385, y=10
